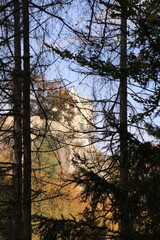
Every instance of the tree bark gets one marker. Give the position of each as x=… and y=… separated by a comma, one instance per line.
x=125, y=225
x=26, y=125
x=17, y=128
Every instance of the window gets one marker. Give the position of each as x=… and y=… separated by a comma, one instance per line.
x=78, y=111
x=81, y=126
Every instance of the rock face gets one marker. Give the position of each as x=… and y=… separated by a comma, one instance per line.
x=71, y=135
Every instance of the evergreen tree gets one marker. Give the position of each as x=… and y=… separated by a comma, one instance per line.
x=115, y=50
x=116, y=45
x=16, y=70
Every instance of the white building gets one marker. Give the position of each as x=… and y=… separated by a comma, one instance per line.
x=72, y=134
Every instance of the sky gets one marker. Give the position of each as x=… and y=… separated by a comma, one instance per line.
x=61, y=69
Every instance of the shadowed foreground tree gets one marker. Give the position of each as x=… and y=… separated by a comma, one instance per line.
x=112, y=47
x=116, y=50
x=5, y=199
x=16, y=69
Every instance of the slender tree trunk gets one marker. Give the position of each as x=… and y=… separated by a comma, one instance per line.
x=26, y=125
x=125, y=226
x=17, y=129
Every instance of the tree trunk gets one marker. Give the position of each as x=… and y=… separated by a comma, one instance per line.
x=26, y=125
x=125, y=226
x=17, y=129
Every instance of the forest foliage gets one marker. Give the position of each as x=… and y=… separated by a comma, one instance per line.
x=112, y=47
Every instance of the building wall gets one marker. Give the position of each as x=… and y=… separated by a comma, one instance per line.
x=70, y=136
x=74, y=136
